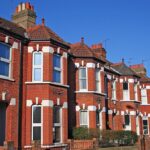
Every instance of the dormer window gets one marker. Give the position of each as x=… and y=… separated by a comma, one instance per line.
x=5, y=59
x=82, y=79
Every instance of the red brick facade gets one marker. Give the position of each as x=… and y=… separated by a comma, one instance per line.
x=75, y=85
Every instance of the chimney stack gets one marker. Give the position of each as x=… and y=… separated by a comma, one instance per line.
x=24, y=15
x=99, y=50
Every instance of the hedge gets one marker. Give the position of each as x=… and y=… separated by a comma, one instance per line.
x=106, y=137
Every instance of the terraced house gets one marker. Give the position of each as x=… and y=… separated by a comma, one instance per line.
x=49, y=86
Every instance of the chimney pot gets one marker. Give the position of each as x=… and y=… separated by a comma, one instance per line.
x=82, y=40
x=43, y=21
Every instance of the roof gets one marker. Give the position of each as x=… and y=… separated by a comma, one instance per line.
x=12, y=27
x=81, y=50
x=144, y=79
x=124, y=69
x=42, y=32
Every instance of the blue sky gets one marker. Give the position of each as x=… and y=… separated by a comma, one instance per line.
x=123, y=26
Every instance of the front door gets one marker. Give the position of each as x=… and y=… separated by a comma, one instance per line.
x=2, y=123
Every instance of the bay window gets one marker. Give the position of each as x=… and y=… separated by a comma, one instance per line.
x=82, y=79
x=56, y=124
x=113, y=89
x=5, y=60
x=84, y=118
x=144, y=96
x=37, y=66
x=57, y=68
x=36, y=122
x=97, y=79
x=125, y=91
x=145, y=126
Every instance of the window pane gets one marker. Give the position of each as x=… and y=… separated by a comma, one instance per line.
x=37, y=74
x=144, y=122
x=4, y=51
x=56, y=114
x=56, y=135
x=4, y=68
x=82, y=73
x=36, y=133
x=83, y=84
x=125, y=86
x=56, y=61
x=97, y=117
x=36, y=114
x=37, y=58
x=97, y=74
x=83, y=118
x=127, y=120
x=56, y=76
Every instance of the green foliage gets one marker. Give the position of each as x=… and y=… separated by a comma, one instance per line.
x=83, y=133
x=117, y=138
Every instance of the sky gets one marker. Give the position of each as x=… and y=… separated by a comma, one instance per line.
x=122, y=26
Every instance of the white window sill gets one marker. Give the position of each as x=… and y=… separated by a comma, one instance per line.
x=145, y=104
x=93, y=92
x=6, y=78
x=130, y=101
x=54, y=145
x=52, y=83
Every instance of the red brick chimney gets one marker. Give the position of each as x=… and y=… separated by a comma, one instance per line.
x=99, y=50
x=24, y=15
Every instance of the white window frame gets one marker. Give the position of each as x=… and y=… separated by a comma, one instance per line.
x=126, y=95
x=97, y=81
x=7, y=61
x=57, y=68
x=58, y=124
x=86, y=78
x=114, y=90
x=127, y=127
x=145, y=118
x=38, y=124
x=37, y=66
x=81, y=122
x=144, y=90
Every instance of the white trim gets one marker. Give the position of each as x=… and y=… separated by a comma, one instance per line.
x=94, y=92
x=109, y=76
x=47, y=103
x=91, y=108
x=121, y=80
x=58, y=50
x=77, y=108
x=30, y=49
x=77, y=65
x=48, y=49
x=104, y=109
x=29, y=103
x=132, y=113
x=102, y=69
x=55, y=145
x=12, y=102
x=37, y=47
x=65, y=105
x=130, y=80
x=65, y=55
x=122, y=113
x=37, y=66
x=43, y=82
x=6, y=39
x=90, y=65
x=15, y=45
x=147, y=87
x=110, y=112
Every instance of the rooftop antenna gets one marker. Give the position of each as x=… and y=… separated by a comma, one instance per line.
x=105, y=42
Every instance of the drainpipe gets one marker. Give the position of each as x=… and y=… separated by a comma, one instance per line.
x=20, y=98
x=106, y=100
